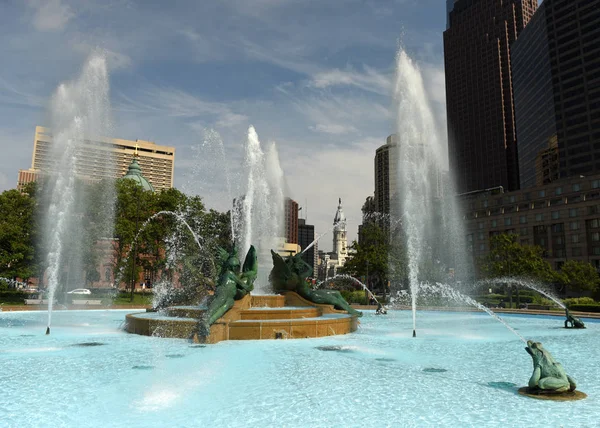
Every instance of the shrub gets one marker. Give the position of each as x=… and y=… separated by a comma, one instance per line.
x=579, y=301
x=12, y=296
x=357, y=297
x=585, y=308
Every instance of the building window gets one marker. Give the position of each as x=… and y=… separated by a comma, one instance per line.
x=107, y=274
x=480, y=236
x=539, y=217
x=480, y=225
x=494, y=223
x=523, y=219
x=481, y=247
x=558, y=191
x=557, y=228
x=576, y=187
x=574, y=239
x=573, y=212
x=576, y=251
x=574, y=225
x=485, y=204
x=507, y=221
x=542, y=193
x=523, y=231
x=595, y=184
x=555, y=215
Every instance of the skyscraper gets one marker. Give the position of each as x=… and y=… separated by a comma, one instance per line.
x=556, y=75
x=291, y=221
x=306, y=235
x=482, y=140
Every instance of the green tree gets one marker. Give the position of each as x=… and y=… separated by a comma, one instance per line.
x=508, y=258
x=577, y=275
x=17, y=250
x=376, y=257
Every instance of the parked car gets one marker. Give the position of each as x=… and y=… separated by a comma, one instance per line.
x=80, y=291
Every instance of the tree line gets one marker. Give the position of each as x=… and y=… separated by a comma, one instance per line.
x=383, y=259
x=112, y=212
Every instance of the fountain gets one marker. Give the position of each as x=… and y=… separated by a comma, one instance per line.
x=258, y=214
x=420, y=199
x=354, y=280
x=79, y=111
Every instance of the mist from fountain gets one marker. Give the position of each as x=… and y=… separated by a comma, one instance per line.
x=349, y=278
x=80, y=111
x=449, y=293
x=419, y=201
x=524, y=282
x=177, y=216
x=259, y=214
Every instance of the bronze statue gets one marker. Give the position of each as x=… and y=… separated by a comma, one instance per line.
x=548, y=375
x=574, y=321
x=232, y=285
x=290, y=275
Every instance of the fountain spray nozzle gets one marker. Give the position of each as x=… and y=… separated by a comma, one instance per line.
x=414, y=333
x=48, y=330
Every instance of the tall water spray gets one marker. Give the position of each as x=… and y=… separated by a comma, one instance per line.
x=259, y=213
x=430, y=226
x=79, y=112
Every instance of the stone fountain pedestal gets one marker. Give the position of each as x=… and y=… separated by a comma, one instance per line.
x=281, y=316
x=558, y=396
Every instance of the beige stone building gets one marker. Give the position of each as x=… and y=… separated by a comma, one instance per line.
x=156, y=161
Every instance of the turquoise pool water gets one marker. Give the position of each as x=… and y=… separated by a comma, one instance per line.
x=463, y=369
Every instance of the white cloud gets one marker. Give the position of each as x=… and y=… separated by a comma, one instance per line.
x=174, y=102
x=333, y=128
x=370, y=80
x=50, y=15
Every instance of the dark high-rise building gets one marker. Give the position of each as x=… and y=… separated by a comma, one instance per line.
x=556, y=82
x=291, y=221
x=306, y=235
x=482, y=139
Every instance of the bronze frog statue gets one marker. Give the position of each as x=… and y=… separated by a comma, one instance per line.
x=548, y=374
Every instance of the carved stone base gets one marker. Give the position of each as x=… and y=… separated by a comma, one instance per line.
x=555, y=396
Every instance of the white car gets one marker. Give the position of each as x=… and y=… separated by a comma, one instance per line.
x=80, y=291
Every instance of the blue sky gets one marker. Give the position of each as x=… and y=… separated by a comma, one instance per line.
x=312, y=76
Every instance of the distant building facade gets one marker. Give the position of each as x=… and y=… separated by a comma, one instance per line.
x=563, y=218
x=291, y=221
x=329, y=263
x=482, y=139
x=156, y=161
x=386, y=174
x=556, y=79
x=306, y=235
